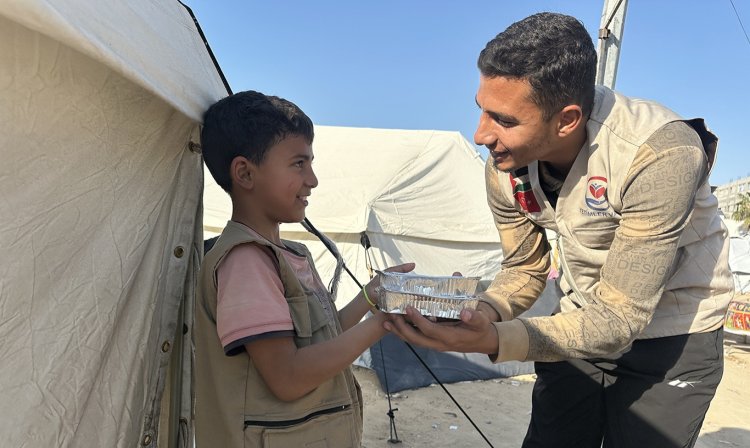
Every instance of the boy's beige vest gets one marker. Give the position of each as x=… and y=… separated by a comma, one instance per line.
x=700, y=287
x=234, y=407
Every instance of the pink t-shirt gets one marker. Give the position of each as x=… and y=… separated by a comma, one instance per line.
x=250, y=295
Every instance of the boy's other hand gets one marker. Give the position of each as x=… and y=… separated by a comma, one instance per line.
x=373, y=287
x=406, y=267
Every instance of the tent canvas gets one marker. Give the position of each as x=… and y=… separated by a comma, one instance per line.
x=101, y=217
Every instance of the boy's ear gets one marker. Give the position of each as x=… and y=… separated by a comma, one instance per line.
x=571, y=118
x=242, y=172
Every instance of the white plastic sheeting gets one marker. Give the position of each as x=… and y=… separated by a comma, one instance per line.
x=99, y=216
x=418, y=195
x=739, y=262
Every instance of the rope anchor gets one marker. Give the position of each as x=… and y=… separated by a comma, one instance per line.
x=394, y=434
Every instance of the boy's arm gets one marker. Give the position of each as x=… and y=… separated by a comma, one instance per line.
x=260, y=324
x=291, y=372
x=352, y=313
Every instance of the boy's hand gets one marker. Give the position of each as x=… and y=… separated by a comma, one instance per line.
x=373, y=288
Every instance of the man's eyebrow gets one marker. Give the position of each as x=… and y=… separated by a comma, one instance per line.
x=502, y=117
x=496, y=115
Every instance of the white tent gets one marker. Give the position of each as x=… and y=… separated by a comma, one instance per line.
x=739, y=255
x=739, y=262
x=101, y=218
x=418, y=195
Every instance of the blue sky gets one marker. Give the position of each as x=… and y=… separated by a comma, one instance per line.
x=412, y=64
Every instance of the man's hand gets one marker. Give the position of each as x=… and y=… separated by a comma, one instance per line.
x=474, y=332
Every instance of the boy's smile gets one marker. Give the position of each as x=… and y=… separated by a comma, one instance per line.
x=303, y=199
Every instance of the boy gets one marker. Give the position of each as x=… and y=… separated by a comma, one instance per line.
x=272, y=352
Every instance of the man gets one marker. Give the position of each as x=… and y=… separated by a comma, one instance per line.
x=634, y=355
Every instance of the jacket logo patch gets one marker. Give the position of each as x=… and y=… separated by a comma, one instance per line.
x=522, y=191
x=596, y=193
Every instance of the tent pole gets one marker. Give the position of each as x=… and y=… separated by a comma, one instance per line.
x=610, y=41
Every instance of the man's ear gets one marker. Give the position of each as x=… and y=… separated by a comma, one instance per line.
x=242, y=172
x=571, y=118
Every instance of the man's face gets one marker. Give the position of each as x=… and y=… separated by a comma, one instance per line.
x=511, y=126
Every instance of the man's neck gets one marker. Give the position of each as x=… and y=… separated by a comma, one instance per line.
x=569, y=151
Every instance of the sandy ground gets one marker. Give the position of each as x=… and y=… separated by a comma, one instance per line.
x=501, y=408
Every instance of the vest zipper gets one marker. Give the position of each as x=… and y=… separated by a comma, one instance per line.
x=280, y=423
x=566, y=272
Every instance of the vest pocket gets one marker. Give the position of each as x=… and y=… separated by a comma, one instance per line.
x=598, y=238
x=300, y=313
x=318, y=317
x=308, y=316
x=333, y=429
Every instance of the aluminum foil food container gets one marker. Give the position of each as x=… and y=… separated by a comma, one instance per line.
x=427, y=285
x=441, y=297
x=440, y=307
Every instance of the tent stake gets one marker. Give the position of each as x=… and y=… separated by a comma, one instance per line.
x=393, y=439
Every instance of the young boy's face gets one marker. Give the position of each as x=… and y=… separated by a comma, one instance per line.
x=284, y=180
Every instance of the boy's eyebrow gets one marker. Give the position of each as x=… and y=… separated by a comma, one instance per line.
x=303, y=156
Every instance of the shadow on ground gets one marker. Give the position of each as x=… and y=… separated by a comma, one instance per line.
x=725, y=437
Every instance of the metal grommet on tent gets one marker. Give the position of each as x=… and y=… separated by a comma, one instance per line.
x=166, y=346
x=194, y=147
x=146, y=440
x=179, y=251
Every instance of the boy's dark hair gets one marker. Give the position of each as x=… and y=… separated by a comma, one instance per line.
x=248, y=124
x=553, y=52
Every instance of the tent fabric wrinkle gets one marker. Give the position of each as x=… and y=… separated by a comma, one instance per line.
x=145, y=41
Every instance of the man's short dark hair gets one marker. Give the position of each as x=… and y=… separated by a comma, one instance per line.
x=553, y=52
x=248, y=124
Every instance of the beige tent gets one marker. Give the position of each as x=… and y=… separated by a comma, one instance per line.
x=101, y=219
x=418, y=196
